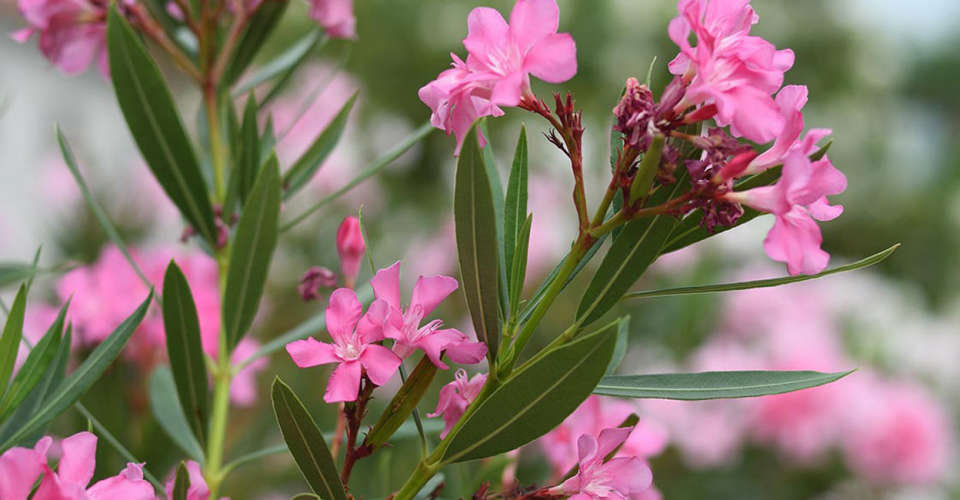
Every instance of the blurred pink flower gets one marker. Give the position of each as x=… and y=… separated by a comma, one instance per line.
x=620, y=477
x=403, y=324
x=896, y=433
x=798, y=197
x=336, y=17
x=20, y=468
x=790, y=100
x=76, y=469
x=728, y=68
x=353, y=347
x=500, y=59
x=350, y=247
x=455, y=397
x=72, y=33
x=648, y=438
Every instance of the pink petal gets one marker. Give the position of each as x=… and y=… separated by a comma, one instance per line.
x=509, y=89
x=128, y=485
x=586, y=448
x=310, y=352
x=386, y=285
x=19, y=469
x=342, y=313
x=434, y=344
x=609, y=439
x=380, y=363
x=466, y=352
x=553, y=59
x=52, y=488
x=430, y=291
x=486, y=31
x=344, y=384
x=628, y=474
x=795, y=239
x=22, y=35
x=822, y=210
x=371, y=324
x=79, y=458
x=532, y=20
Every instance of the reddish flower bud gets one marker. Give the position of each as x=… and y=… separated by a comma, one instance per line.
x=350, y=246
x=315, y=278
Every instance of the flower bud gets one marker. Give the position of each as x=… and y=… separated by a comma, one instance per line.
x=350, y=246
x=633, y=114
x=315, y=278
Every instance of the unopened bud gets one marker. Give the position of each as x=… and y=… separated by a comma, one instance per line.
x=350, y=246
x=633, y=113
x=314, y=279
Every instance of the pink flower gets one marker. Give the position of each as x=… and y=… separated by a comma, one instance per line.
x=796, y=200
x=790, y=100
x=728, y=68
x=72, y=33
x=350, y=246
x=596, y=479
x=595, y=414
x=336, y=16
x=353, y=346
x=198, y=489
x=403, y=324
x=243, y=386
x=20, y=468
x=455, y=397
x=76, y=469
x=501, y=57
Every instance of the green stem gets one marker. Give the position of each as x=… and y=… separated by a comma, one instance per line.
x=216, y=143
x=416, y=481
x=214, y=472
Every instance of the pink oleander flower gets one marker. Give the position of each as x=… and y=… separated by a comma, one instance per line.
x=350, y=247
x=403, y=323
x=596, y=479
x=729, y=68
x=198, y=489
x=75, y=470
x=790, y=100
x=336, y=17
x=455, y=397
x=20, y=468
x=354, y=346
x=500, y=59
x=799, y=197
x=72, y=33
x=595, y=414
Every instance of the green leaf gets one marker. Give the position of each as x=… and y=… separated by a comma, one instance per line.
x=48, y=382
x=404, y=402
x=538, y=294
x=306, y=443
x=36, y=364
x=476, y=228
x=168, y=412
x=307, y=165
x=267, y=141
x=152, y=118
x=305, y=496
x=184, y=348
x=631, y=253
x=496, y=189
x=520, y=264
x=10, y=340
x=620, y=348
x=515, y=205
x=249, y=161
x=712, y=385
x=15, y=272
x=765, y=283
x=259, y=28
x=253, y=245
x=283, y=64
x=70, y=390
x=181, y=484
x=535, y=399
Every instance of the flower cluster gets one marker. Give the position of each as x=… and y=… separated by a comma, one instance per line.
x=72, y=34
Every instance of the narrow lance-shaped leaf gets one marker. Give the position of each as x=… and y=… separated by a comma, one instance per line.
x=520, y=265
x=14, y=272
x=496, y=190
x=476, y=228
x=282, y=64
x=712, y=385
x=620, y=348
x=535, y=399
x=253, y=245
x=168, y=412
x=515, y=204
x=181, y=483
x=10, y=339
x=249, y=162
x=306, y=443
x=36, y=364
x=259, y=28
x=307, y=165
x=404, y=402
x=71, y=389
x=765, y=283
x=182, y=327
x=152, y=118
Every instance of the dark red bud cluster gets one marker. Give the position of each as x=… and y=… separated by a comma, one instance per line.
x=633, y=113
x=315, y=278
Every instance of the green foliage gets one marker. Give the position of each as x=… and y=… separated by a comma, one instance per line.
x=182, y=327
x=306, y=443
x=166, y=408
x=403, y=404
x=10, y=339
x=476, y=228
x=258, y=29
x=38, y=361
x=515, y=211
x=181, y=483
x=15, y=272
x=535, y=399
x=712, y=385
x=253, y=245
x=155, y=125
x=312, y=159
x=283, y=65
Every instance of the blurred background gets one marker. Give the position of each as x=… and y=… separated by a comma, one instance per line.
x=882, y=74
